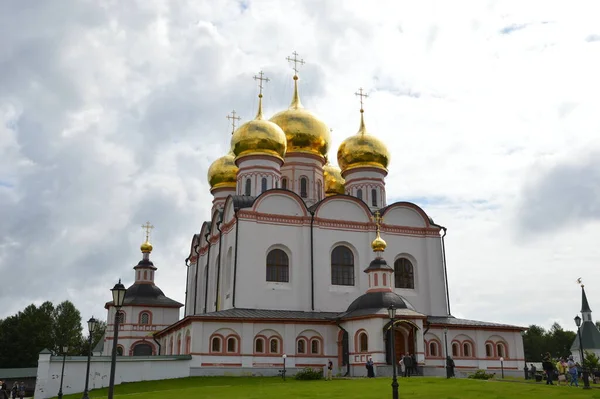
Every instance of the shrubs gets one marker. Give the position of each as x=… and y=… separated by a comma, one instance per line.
x=309, y=374
x=481, y=375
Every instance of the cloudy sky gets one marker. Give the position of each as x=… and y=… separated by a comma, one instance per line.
x=111, y=113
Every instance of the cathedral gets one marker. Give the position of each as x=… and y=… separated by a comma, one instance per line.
x=301, y=261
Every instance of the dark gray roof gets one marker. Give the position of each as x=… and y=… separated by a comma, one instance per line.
x=585, y=306
x=381, y=311
x=242, y=201
x=27, y=372
x=379, y=300
x=453, y=321
x=238, y=313
x=590, y=337
x=378, y=264
x=100, y=345
x=147, y=295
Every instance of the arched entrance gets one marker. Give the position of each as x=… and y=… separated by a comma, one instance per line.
x=142, y=350
x=404, y=336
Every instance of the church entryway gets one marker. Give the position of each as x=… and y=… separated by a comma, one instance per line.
x=404, y=339
x=142, y=350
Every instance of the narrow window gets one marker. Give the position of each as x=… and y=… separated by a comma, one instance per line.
x=284, y=183
x=433, y=349
x=231, y=344
x=278, y=265
x=216, y=344
x=384, y=280
x=404, y=273
x=489, y=352
x=121, y=317
x=359, y=194
x=374, y=197
x=248, y=187
x=259, y=345
x=466, y=350
x=363, y=342
x=319, y=191
x=342, y=266
x=314, y=347
x=303, y=187
x=274, y=346
x=144, y=318
x=455, y=350
x=119, y=350
x=263, y=184
x=500, y=349
x=301, y=346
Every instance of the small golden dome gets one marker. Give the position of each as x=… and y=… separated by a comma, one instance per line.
x=146, y=247
x=334, y=182
x=223, y=172
x=258, y=136
x=363, y=149
x=304, y=131
x=378, y=243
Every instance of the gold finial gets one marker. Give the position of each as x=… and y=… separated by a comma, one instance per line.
x=233, y=119
x=362, y=98
x=296, y=61
x=377, y=219
x=580, y=281
x=260, y=79
x=378, y=243
x=146, y=246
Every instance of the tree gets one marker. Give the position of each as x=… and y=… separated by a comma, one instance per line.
x=97, y=335
x=560, y=341
x=534, y=343
x=67, y=328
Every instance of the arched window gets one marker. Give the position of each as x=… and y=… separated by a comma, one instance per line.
x=384, y=279
x=142, y=349
x=259, y=345
x=363, y=342
x=319, y=190
x=359, y=194
x=301, y=346
x=303, y=187
x=215, y=344
x=278, y=266
x=489, y=350
x=433, y=349
x=119, y=350
x=263, y=184
x=455, y=349
x=314, y=347
x=274, y=345
x=500, y=350
x=231, y=344
x=121, y=317
x=342, y=266
x=467, y=350
x=404, y=274
x=144, y=318
x=374, y=197
x=248, y=187
x=284, y=183
x=179, y=344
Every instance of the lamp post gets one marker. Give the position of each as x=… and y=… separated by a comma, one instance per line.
x=62, y=373
x=525, y=369
x=118, y=294
x=284, y=370
x=92, y=324
x=502, y=366
x=584, y=371
x=447, y=354
x=392, y=314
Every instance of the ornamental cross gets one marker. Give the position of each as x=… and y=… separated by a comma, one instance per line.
x=580, y=281
x=261, y=79
x=296, y=61
x=233, y=119
x=362, y=97
x=147, y=227
x=377, y=219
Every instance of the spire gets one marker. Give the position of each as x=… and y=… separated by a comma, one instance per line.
x=362, y=95
x=260, y=79
x=585, y=306
x=296, y=97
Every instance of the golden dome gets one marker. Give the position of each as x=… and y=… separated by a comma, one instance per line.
x=363, y=149
x=146, y=247
x=258, y=136
x=378, y=243
x=304, y=131
x=334, y=182
x=223, y=172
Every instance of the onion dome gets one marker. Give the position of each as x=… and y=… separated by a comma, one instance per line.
x=146, y=247
x=378, y=244
x=363, y=150
x=379, y=300
x=334, y=182
x=304, y=131
x=223, y=172
x=258, y=137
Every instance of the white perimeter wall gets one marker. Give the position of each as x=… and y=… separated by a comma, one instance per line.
x=128, y=369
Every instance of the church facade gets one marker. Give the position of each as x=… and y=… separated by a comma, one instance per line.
x=301, y=260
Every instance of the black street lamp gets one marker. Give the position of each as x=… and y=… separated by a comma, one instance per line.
x=502, y=366
x=448, y=371
x=392, y=314
x=584, y=371
x=525, y=369
x=118, y=293
x=62, y=373
x=92, y=324
x=284, y=370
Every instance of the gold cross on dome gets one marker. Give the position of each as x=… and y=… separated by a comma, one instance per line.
x=147, y=227
x=362, y=97
x=377, y=219
x=296, y=61
x=233, y=119
x=261, y=79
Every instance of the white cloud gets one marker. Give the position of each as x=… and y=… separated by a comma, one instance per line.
x=110, y=115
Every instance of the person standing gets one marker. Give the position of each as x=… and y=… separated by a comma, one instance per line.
x=329, y=370
x=407, y=365
x=370, y=370
x=414, y=364
x=3, y=391
x=21, y=390
x=548, y=368
x=572, y=371
x=561, y=367
x=450, y=366
x=401, y=365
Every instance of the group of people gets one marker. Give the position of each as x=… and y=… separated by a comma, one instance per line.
x=18, y=390
x=567, y=370
x=407, y=365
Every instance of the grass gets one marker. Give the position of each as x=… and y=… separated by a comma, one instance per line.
x=362, y=388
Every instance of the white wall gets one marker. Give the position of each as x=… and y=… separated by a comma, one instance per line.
x=128, y=369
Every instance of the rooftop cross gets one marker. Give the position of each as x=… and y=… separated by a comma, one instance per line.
x=377, y=219
x=233, y=118
x=261, y=79
x=296, y=61
x=147, y=227
x=362, y=97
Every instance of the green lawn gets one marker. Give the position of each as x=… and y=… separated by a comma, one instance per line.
x=275, y=388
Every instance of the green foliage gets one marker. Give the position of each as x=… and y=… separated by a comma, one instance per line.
x=309, y=374
x=591, y=360
x=481, y=375
x=537, y=341
x=67, y=328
